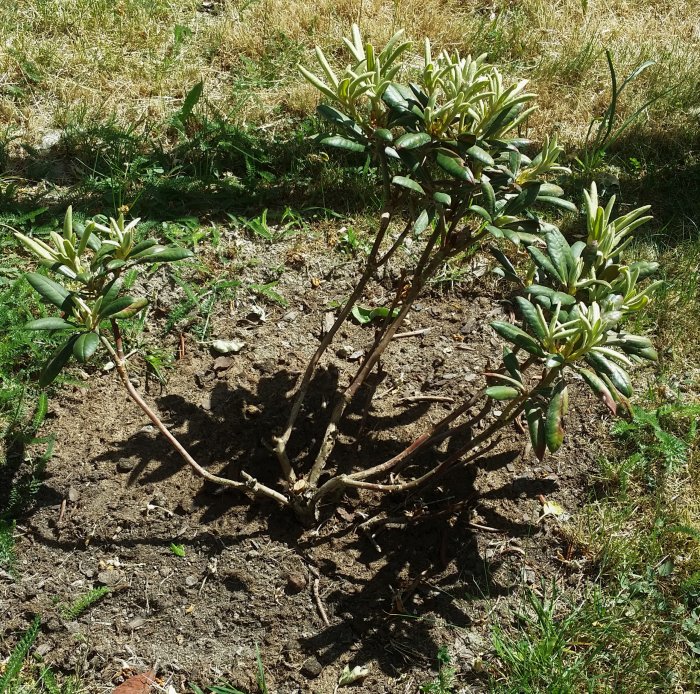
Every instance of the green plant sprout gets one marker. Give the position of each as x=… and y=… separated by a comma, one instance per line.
x=456, y=179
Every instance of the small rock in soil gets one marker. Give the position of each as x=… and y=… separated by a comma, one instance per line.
x=296, y=582
x=109, y=577
x=73, y=494
x=227, y=346
x=222, y=364
x=191, y=581
x=311, y=668
x=126, y=465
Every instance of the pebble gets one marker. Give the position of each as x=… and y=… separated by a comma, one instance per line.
x=296, y=582
x=191, y=581
x=126, y=465
x=136, y=622
x=109, y=577
x=311, y=668
x=227, y=346
x=73, y=494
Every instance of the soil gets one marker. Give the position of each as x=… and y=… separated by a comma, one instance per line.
x=449, y=565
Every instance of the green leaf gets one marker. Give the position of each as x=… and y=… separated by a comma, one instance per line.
x=554, y=430
x=454, y=167
x=334, y=116
x=49, y=324
x=409, y=183
x=532, y=317
x=559, y=252
x=502, y=392
x=555, y=297
x=536, y=428
x=522, y=201
x=53, y=292
x=489, y=197
x=177, y=550
x=518, y=337
x=544, y=263
x=510, y=361
x=343, y=143
x=565, y=205
x=508, y=268
x=412, y=140
x=165, y=254
x=85, y=346
x=384, y=135
x=442, y=198
x=111, y=291
x=598, y=386
x=193, y=96
x=56, y=362
x=142, y=246
x=617, y=375
x=109, y=309
x=131, y=310
x=484, y=214
x=480, y=155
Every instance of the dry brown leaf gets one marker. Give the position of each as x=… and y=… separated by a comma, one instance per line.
x=138, y=684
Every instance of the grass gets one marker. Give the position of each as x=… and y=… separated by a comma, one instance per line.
x=636, y=627
x=198, y=121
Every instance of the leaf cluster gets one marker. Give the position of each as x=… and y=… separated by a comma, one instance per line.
x=90, y=261
x=574, y=303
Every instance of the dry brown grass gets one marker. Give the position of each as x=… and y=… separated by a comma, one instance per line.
x=64, y=60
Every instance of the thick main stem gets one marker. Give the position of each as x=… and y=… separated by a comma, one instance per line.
x=250, y=484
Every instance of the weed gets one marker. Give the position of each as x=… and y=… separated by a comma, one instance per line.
x=18, y=656
x=604, y=132
x=445, y=682
x=82, y=603
x=177, y=550
x=7, y=543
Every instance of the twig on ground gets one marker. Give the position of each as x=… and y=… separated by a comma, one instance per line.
x=413, y=333
x=319, y=604
x=425, y=398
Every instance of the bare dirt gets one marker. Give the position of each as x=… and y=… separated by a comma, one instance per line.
x=452, y=563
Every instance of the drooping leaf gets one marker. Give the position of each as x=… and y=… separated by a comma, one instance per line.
x=442, y=198
x=480, y=155
x=111, y=291
x=518, y=337
x=409, y=183
x=502, y=392
x=131, y=310
x=510, y=361
x=532, y=317
x=454, y=167
x=85, y=346
x=343, y=143
x=49, y=324
x=597, y=385
x=489, y=197
x=554, y=429
x=165, y=254
x=561, y=203
x=544, y=263
x=56, y=362
x=115, y=306
x=412, y=140
x=508, y=268
x=536, y=428
x=617, y=375
x=559, y=252
x=53, y=292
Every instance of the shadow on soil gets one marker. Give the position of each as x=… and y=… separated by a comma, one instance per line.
x=425, y=560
